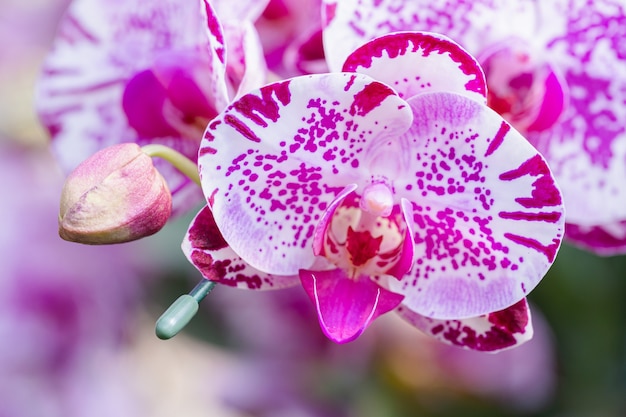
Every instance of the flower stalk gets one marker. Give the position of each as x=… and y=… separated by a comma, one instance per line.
x=177, y=159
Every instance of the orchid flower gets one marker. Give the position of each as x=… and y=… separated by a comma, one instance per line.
x=554, y=70
x=389, y=186
x=149, y=73
x=291, y=33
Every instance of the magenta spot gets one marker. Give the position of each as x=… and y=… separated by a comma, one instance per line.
x=548, y=250
x=498, y=138
x=256, y=108
x=550, y=217
x=544, y=191
x=369, y=98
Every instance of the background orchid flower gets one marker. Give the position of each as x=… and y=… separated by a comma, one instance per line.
x=131, y=71
x=554, y=70
x=63, y=317
x=374, y=197
x=291, y=33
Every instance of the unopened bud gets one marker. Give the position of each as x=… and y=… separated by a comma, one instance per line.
x=115, y=196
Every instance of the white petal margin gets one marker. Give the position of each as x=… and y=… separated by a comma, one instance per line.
x=491, y=333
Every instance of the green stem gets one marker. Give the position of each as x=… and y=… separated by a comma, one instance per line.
x=180, y=161
x=180, y=313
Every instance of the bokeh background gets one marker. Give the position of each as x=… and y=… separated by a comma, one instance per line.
x=77, y=323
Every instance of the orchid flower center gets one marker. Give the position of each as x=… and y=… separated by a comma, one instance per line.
x=522, y=87
x=366, y=233
x=169, y=99
x=377, y=199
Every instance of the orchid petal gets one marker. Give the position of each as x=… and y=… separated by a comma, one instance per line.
x=492, y=332
x=205, y=248
x=524, y=88
x=604, y=240
x=277, y=157
x=305, y=55
x=345, y=306
x=487, y=214
x=350, y=23
x=405, y=261
x=587, y=148
x=419, y=62
x=246, y=69
x=240, y=10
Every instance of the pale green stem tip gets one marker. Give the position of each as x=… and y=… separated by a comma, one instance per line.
x=180, y=161
x=180, y=313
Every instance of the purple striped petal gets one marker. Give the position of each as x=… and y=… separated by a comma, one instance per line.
x=276, y=158
x=487, y=214
x=207, y=250
x=346, y=306
x=492, y=332
x=419, y=62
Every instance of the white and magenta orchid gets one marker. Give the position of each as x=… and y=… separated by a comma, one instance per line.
x=143, y=72
x=291, y=33
x=554, y=71
x=390, y=185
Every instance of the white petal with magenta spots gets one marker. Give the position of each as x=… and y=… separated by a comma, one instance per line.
x=419, y=62
x=487, y=214
x=277, y=157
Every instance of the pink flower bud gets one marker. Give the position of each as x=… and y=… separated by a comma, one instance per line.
x=114, y=196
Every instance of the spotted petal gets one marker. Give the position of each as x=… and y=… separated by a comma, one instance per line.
x=277, y=157
x=351, y=23
x=488, y=216
x=492, y=332
x=346, y=306
x=205, y=248
x=419, y=62
x=587, y=149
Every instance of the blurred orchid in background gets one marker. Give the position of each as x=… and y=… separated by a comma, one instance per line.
x=58, y=322
x=554, y=71
x=373, y=198
x=291, y=33
x=129, y=71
